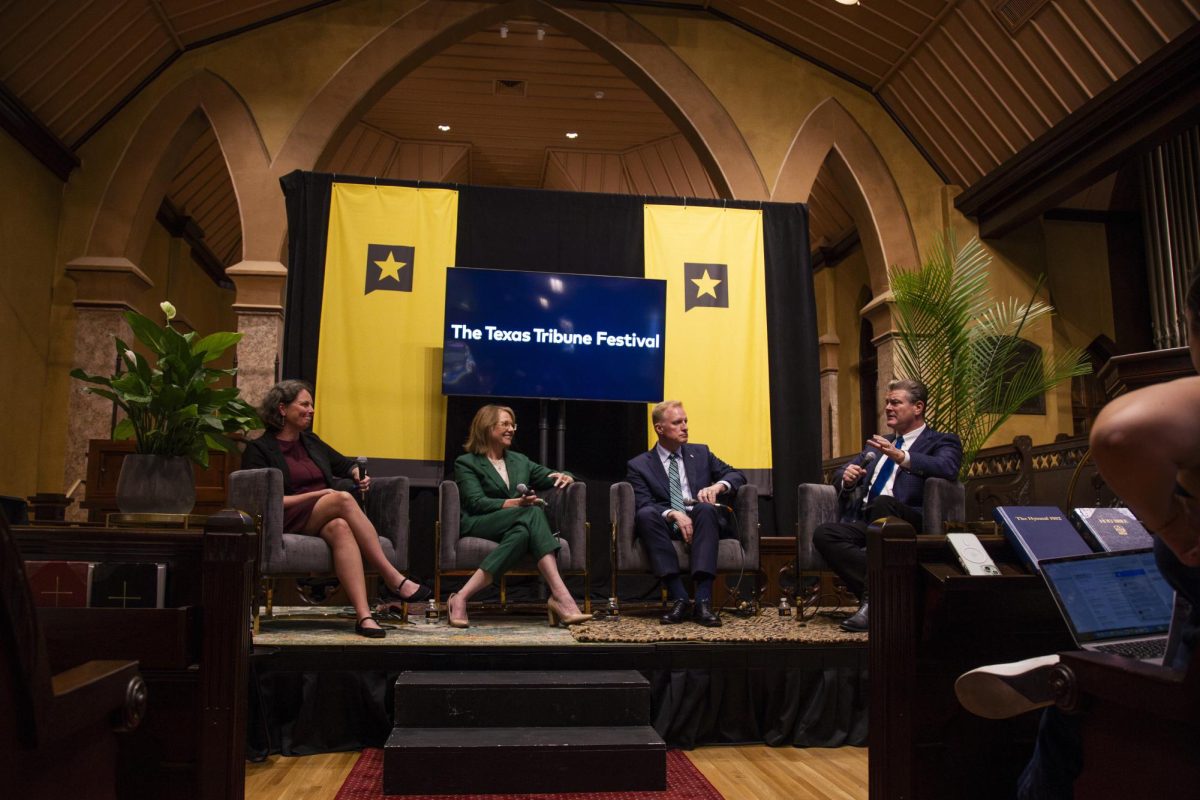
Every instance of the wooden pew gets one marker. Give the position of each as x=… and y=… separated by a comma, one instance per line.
x=193, y=654
x=929, y=623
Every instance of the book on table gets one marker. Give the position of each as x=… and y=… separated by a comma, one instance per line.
x=1037, y=533
x=1112, y=529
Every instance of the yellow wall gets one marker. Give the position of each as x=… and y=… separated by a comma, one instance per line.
x=28, y=226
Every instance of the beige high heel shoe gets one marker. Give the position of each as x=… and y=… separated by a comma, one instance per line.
x=455, y=622
x=554, y=614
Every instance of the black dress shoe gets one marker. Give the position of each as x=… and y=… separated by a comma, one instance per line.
x=856, y=622
x=419, y=595
x=705, y=616
x=370, y=633
x=680, y=611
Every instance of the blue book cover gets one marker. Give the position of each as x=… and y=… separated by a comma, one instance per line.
x=1112, y=529
x=1039, y=532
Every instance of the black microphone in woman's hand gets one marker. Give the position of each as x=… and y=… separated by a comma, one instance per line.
x=361, y=462
x=525, y=490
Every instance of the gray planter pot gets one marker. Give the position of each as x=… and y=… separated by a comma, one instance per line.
x=156, y=485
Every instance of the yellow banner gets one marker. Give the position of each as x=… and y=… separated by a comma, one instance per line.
x=379, y=361
x=716, y=335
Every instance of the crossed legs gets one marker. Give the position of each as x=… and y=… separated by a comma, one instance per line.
x=353, y=541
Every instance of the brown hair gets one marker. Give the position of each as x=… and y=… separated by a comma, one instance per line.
x=917, y=393
x=282, y=393
x=485, y=418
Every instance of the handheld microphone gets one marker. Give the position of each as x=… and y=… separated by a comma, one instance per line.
x=361, y=462
x=525, y=490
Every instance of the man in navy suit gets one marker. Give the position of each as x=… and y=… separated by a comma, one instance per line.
x=887, y=479
x=676, y=487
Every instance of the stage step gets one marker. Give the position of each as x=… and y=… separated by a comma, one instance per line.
x=523, y=731
x=517, y=760
x=522, y=698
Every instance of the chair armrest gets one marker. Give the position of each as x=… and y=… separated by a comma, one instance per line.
x=746, y=506
x=1156, y=691
x=573, y=523
x=259, y=492
x=816, y=505
x=450, y=519
x=621, y=515
x=943, y=500
x=387, y=508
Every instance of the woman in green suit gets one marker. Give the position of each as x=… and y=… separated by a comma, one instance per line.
x=487, y=476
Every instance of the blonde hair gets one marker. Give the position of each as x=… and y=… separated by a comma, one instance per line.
x=660, y=410
x=485, y=418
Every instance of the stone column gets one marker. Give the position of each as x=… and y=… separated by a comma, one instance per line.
x=827, y=356
x=879, y=313
x=259, y=306
x=105, y=288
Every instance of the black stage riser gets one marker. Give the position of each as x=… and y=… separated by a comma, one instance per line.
x=520, y=760
x=521, y=699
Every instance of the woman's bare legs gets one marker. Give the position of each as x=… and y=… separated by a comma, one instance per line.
x=548, y=566
x=456, y=605
x=348, y=566
x=342, y=505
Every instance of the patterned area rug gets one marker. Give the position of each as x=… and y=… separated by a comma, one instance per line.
x=766, y=627
x=332, y=626
x=684, y=782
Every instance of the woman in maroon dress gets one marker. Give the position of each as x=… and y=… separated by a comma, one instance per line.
x=312, y=506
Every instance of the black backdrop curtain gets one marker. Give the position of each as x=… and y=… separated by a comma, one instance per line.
x=599, y=234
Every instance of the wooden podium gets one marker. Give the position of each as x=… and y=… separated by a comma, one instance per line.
x=193, y=653
x=929, y=623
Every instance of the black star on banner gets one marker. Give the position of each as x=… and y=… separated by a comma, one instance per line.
x=705, y=286
x=389, y=268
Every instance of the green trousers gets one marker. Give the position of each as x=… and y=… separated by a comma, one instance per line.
x=518, y=531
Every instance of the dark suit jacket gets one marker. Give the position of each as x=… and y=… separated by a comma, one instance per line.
x=264, y=452
x=482, y=490
x=649, y=479
x=932, y=455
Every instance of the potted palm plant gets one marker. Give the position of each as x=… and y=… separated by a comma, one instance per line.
x=966, y=347
x=173, y=411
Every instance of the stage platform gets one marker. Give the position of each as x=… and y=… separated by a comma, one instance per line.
x=316, y=686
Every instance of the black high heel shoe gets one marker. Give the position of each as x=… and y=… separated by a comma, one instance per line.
x=370, y=633
x=421, y=594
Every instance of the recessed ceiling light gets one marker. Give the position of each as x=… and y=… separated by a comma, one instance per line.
x=599, y=95
x=572, y=135
x=443, y=128
x=541, y=33
x=848, y=2
x=504, y=30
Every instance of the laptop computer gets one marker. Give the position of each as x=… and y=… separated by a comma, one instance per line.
x=1115, y=602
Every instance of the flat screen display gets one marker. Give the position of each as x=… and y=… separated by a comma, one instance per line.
x=553, y=335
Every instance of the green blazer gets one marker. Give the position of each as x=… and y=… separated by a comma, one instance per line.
x=483, y=491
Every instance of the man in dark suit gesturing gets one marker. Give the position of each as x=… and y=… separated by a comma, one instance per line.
x=675, y=487
x=887, y=479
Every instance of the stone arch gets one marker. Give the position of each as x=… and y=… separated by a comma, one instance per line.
x=127, y=211
x=431, y=27
x=830, y=134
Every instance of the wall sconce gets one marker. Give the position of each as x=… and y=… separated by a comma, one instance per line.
x=541, y=34
x=503, y=31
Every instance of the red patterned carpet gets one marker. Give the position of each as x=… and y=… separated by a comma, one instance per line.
x=684, y=782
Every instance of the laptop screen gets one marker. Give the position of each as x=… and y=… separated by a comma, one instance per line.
x=1111, y=595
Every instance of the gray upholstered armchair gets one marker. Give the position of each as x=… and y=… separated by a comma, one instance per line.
x=817, y=504
x=459, y=555
x=291, y=555
x=734, y=556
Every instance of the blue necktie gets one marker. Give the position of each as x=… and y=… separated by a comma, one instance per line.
x=885, y=472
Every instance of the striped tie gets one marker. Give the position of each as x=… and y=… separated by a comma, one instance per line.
x=673, y=479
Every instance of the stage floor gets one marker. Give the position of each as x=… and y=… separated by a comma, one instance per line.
x=306, y=626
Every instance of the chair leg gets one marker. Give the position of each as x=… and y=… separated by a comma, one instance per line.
x=269, y=591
